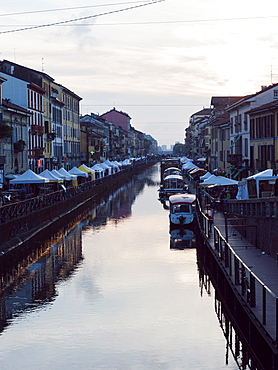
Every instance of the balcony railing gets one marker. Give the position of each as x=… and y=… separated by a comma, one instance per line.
x=37, y=128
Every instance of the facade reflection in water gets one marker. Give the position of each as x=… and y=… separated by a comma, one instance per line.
x=29, y=282
x=235, y=342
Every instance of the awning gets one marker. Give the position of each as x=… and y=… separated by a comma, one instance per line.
x=239, y=171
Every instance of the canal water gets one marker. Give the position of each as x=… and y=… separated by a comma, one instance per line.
x=112, y=290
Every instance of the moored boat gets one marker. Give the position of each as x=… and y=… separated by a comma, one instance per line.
x=171, y=171
x=182, y=209
x=172, y=184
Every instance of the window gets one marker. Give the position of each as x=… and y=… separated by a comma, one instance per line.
x=46, y=127
x=270, y=152
x=252, y=128
x=275, y=94
x=246, y=147
x=245, y=122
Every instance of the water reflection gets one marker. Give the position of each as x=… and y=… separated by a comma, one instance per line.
x=30, y=283
x=28, y=277
x=117, y=296
x=236, y=344
x=181, y=238
x=117, y=205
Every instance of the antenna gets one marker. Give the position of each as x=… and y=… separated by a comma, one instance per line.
x=42, y=65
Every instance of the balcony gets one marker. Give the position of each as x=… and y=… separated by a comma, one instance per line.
x=234, y=159
x=37, y=152
x=37, y=128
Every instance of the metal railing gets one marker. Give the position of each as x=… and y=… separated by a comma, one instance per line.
x=257, y=296
x=261, y=207
x=21, y=208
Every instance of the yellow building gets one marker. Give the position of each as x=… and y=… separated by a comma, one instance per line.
x=71, y=128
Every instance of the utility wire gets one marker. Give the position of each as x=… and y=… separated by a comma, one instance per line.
x=188, y=21
x=82, y=18
x=73, y=8
x=147, y=22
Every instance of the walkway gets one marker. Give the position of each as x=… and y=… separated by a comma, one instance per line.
x=264, y=266
x=261, y=274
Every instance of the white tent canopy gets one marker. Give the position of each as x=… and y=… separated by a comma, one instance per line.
x=75, y=171
x=268, y=172
x=114, y=167
x=188, y=166
x=47, y=174
x=126, y=162
x=66, y=173
x=117, y=163
x=219, y=181
x=266, y=175
x=98, y=168
x=106, y=167
x=29, y=177
x=59, y=175
x=206, y=176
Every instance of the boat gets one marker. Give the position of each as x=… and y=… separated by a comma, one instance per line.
x=172, y=184
x=182, y=209
x=169, y=162
x=172, y=171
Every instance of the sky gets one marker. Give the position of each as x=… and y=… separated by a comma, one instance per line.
x=160, y=61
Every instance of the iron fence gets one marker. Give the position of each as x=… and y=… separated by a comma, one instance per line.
x=260, y=299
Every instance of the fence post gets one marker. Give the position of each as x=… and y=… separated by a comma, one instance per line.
x=226, y=227
x=276, y=318
x=252, y=291
x=264, y=305
x=226, y=251
x=216, y=240
x=236, y=264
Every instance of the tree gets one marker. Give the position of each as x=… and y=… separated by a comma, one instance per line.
x=179, y=149
x=5, y=131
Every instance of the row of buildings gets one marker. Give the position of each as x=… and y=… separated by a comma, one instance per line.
x=41, y=126
x=238, y=135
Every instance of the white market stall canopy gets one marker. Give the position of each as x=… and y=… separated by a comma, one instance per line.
x=97, y=167
x=29, y=177
x=189, y=165
x=218, y=181
x=75, y=171
x=252, y=186
x=48, y=175
x=59, y=175
x=206, y=176
x=62, y=171
x=86, y=169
